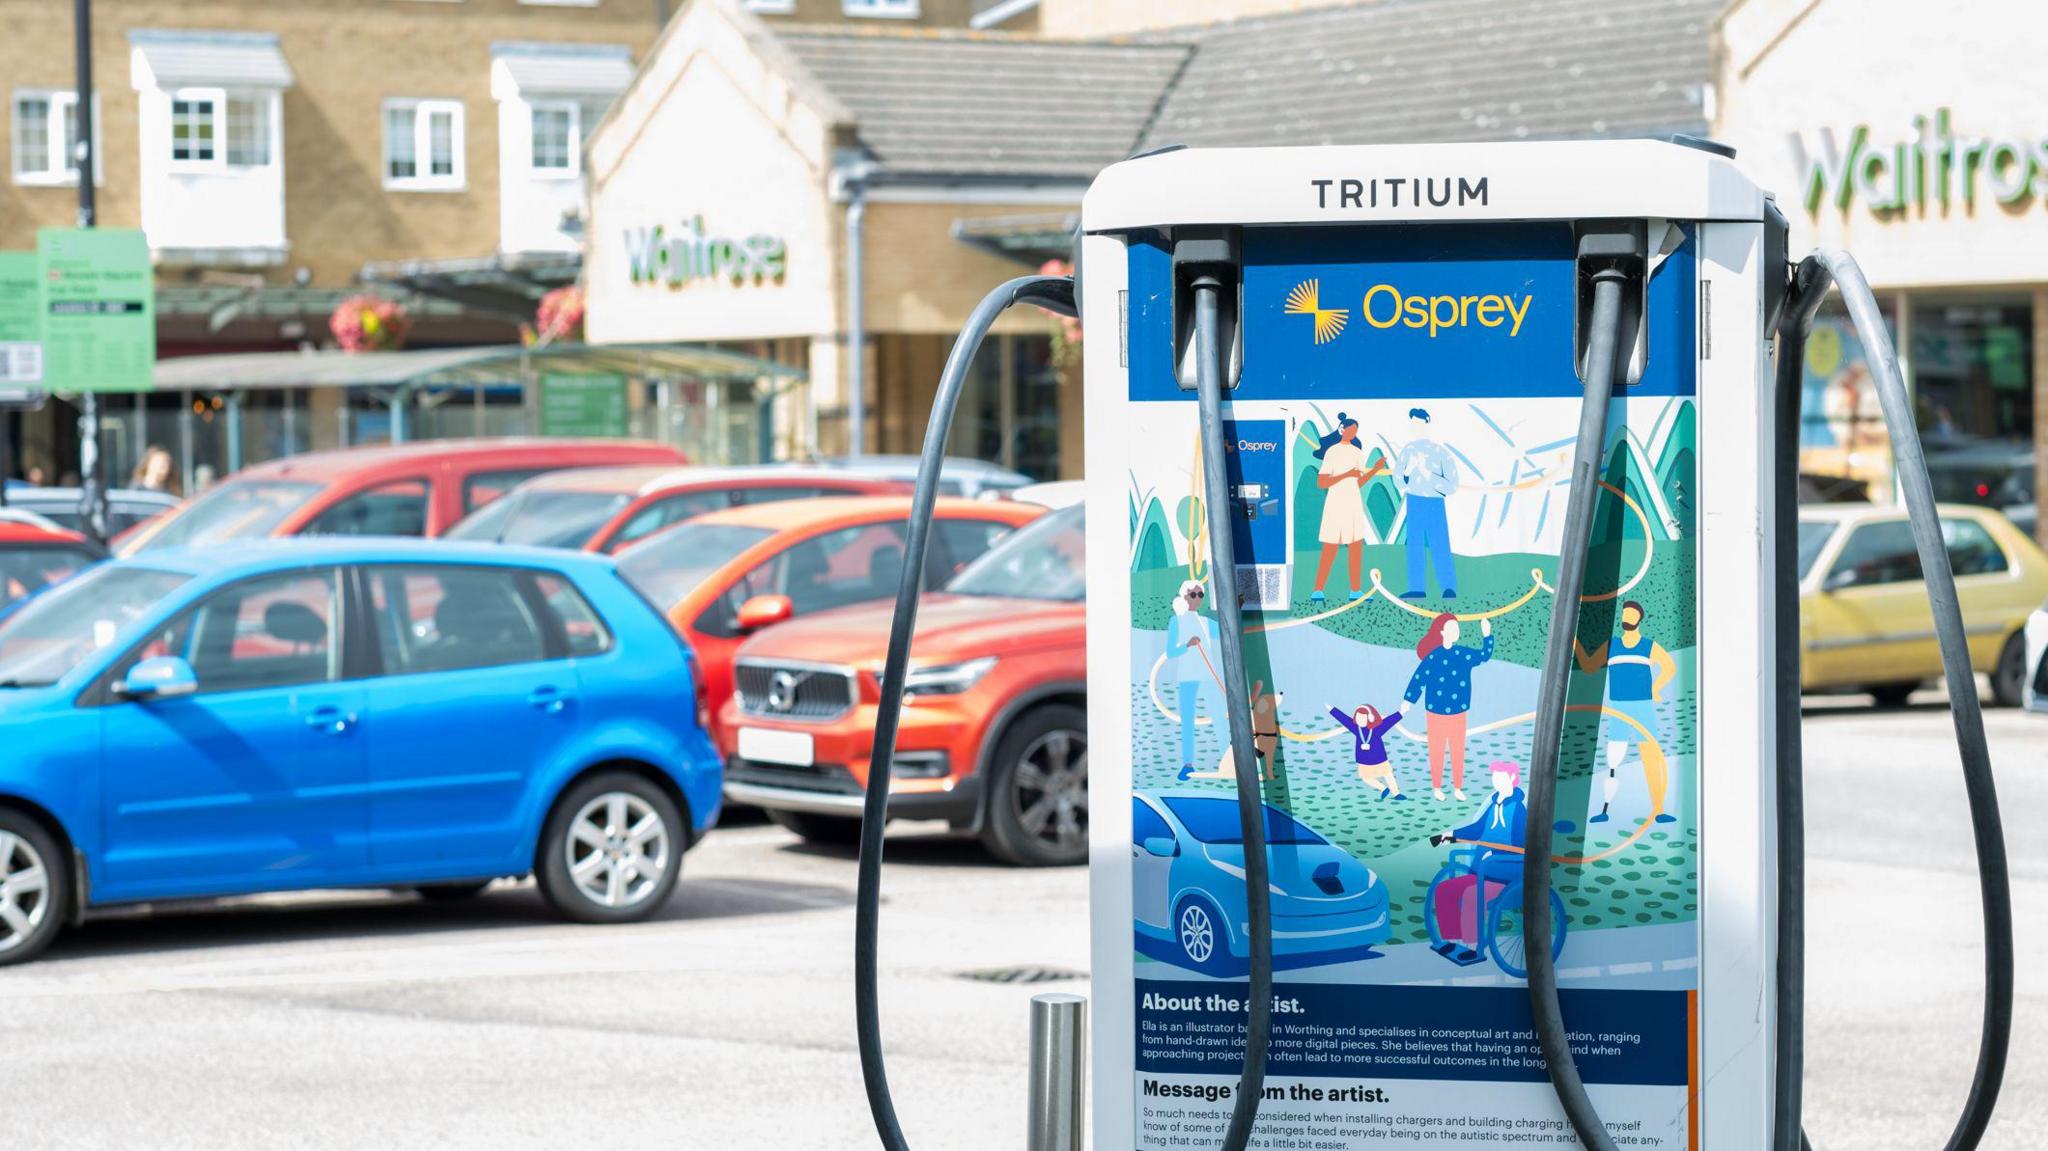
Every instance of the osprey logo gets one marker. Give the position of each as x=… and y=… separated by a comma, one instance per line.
x=1304, y=301
x=1386, y=306
x=782, y=690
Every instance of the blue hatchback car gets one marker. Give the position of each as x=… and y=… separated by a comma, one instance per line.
x=1187, y=864
x=299, y=714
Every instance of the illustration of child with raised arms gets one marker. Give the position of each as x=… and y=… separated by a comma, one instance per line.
x=1369, y=731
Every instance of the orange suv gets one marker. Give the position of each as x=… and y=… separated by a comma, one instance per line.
x=994, y=739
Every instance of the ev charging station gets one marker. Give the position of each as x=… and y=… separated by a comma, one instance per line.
x=1443, y=651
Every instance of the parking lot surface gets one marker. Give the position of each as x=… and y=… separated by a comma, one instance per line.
x=378, y=1020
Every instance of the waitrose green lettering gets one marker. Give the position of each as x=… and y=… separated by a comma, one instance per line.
x=1933, y=163
x=657, y=256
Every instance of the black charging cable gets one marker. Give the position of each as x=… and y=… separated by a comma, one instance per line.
x=1613, y=314
x=1606, y=353
x=1810, y=282
x=1055, y=294
x=1251, y=803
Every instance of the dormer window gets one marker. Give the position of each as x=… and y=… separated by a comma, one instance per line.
x=550, y=97
x=211, y=121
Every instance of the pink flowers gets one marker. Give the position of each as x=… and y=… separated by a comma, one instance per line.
x=369, y=324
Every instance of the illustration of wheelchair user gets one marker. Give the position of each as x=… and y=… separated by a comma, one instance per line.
x=1474, y=905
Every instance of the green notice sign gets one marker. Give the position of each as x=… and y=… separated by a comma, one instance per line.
x=21, y=321
x=99, y=309
x=583, y=405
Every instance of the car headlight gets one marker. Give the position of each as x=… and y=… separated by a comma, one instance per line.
x=946, y=679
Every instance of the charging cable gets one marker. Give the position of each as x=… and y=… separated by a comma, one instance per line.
x=1056, y=294
x=1251, y=803
x=1606, y=352
x=1810, y=282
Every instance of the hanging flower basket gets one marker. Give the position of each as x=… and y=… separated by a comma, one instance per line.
x=559, y=317
x=369, y=324
x=1066, y=346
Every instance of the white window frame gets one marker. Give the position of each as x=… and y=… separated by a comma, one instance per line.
x=575, y=169
x=771, y=7
x=59, y=174
x=881, y=9
x=273, y=115
x=422, y=179
x=217, y=98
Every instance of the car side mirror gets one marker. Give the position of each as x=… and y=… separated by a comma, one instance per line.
x=1162, y=846
x=1838, y=579
x=765, y=611
x=159, y=677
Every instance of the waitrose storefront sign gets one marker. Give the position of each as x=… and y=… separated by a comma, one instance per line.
x=1927, y=167
x=689, y=253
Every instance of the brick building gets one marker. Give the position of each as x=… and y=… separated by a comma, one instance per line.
x=282, y=153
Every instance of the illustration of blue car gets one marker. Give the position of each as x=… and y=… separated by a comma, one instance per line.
x=1187, y=866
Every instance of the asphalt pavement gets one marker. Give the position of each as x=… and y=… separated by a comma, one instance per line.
x=376, y=1020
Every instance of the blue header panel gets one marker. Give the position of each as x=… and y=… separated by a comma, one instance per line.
x=1466, y=310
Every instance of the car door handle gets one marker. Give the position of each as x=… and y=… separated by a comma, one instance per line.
x=552, y=700
x=331, y=720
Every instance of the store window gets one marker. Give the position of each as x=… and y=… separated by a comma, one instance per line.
x=1974, y=397
x=1010, y=414
x=1843, y=449
x=423, y=145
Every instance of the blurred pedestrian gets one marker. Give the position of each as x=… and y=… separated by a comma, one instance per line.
x=155, y=472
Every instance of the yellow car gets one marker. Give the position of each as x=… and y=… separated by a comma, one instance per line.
x=1864, y=620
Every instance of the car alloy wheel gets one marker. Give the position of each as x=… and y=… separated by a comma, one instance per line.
x=24, y=891
x=618, y=849
x=1051, y=790
x=1197, y=933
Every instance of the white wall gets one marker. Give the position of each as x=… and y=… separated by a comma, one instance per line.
x=221, y=209
x=1791, y=71
x=531, y=205
x=710, y=130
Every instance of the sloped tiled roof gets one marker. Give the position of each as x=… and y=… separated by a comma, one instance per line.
x=1378, y=71
x=996, y=105
x=1399, y=71
x=180, y=57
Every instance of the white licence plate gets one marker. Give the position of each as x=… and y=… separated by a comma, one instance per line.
x=790, y=748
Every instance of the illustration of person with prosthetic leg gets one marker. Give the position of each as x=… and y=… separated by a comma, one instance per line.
x=1638, y=671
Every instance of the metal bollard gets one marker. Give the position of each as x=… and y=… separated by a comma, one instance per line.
x=1059, y=1070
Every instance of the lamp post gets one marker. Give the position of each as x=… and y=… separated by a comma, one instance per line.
x=93, y=497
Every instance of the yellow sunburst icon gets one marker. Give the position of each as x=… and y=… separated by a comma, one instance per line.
x=1303, y=301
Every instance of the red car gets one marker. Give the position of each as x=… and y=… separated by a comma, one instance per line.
x=34, y=556
x=412, y=489
x=610, y=509
x=995, y=729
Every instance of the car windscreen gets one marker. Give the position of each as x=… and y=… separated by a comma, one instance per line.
x=1813, y=536
x=57, y=631
x=24, y=571
x=1046, y=560
x=668, y=565
x=549, y=519
x=1215, y=821
x=236, y=510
